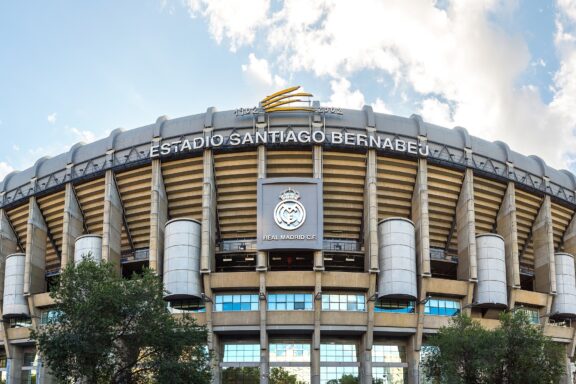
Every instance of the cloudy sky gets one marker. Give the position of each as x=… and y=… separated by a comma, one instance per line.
x=73, y=71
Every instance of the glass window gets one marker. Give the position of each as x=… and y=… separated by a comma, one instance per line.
x=240, y=302
x=29, y=359
x=288, y=375
x=290, y=353
x=241, y=353
x=389, y=375
x=342, y=302
x=290, y=302
x=442, y=306
x=338, y=353
x=241, y=375
x=394, y=306
x=532, y=312
x=182, y=306
x=49, y=316
x=19, y=322
x=348, y=375
x=389, y=354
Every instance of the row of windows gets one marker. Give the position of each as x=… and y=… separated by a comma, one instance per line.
x=332, y=302
x=300, y=353
x=301, y=375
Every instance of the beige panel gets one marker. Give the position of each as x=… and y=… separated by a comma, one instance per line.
x=561, y=217
x=396, y=178
x=183, y=183
x=52, y=207
x=19, y=218
x=134, y=188
x=91, y=199
x=527, y=206
x=294, y=163
x=343, y=183
x=236, y=175
x=443, y=191
x=488, y=197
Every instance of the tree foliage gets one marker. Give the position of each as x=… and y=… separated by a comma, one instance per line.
x=112, y=330
x=516, y=352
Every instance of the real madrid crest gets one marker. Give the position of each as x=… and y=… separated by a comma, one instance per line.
x=289, y=213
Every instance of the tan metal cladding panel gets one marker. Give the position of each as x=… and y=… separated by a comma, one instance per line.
x=488, y=197
x=561, y=217
x=183, y=183
x=18, y=216
x=443, y=191
x=135, y=189
x=236, y=175
x=91, y=198
x=396, y=178
x=344, y=178
x=52, y=208
x=289, y=163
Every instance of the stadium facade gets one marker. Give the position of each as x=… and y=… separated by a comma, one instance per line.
x=319, y=241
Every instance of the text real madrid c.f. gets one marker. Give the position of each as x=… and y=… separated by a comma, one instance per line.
x=290, y=137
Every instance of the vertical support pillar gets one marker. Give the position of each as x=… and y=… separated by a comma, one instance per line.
x=413, y=360
x=368, y=337
x=14, y=364
x=158, y=218
x=213, y=343
x=73, y=225
x=543, y=243
x=569, y=239
x=315, y=358
x=317, y=174
x=8, y=246
x=208, y=214
x=319, y=268
x=421, y=219
x=466, y=230
x=261, y=256
x=36, y=236
x=507, y=227
x=112, y=226
x=371, y=213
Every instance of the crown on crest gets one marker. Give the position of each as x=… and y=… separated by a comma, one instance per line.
x=289, y=194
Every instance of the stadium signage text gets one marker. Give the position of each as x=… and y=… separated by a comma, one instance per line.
x=290, y=137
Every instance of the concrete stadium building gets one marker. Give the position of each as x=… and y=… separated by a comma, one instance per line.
x=321, y=241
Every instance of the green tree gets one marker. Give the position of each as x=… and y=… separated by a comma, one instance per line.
x=279, y=375
x=112, y=330
x=516, y=352
x=241, y=375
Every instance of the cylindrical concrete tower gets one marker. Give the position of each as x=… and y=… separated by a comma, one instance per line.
x=88, y=245
x=397, y=257
x=182, y=259
x=491, y=290
x=564, y=304
x=15, y=304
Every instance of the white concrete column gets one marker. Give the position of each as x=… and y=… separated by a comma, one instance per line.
x=112, y=228
x=208, y=214
x=262, y=256
x=507, y=227
x=36, y=237
x=73, y=225
x=371, y=213
x=466, y=230
x=543, y=243
x=317, y=174
x=158, y=218
x=421, y=219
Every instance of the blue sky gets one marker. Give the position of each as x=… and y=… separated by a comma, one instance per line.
x=73, y=71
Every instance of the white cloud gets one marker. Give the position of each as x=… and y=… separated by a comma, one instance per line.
x=343, y=96
x=257, y=71
x=454, y=61
x=380, y=106
x=86, y=136
x=436, y=112
x=5, y=169
x=15, y=147
x=234, y=20
x=51, y=118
